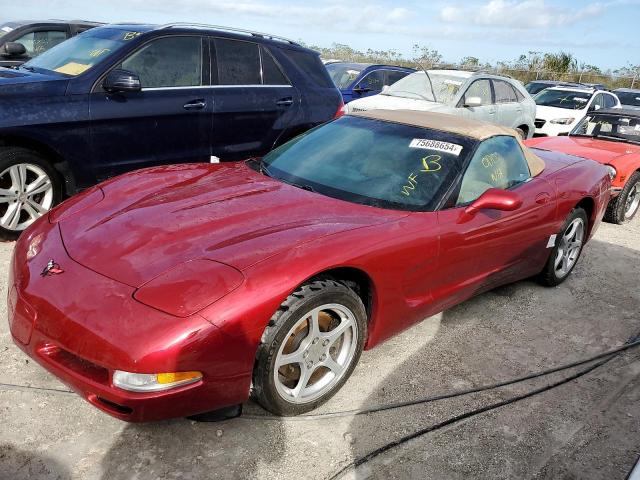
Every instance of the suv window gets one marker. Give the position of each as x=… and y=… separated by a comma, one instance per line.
x=479, y=88
x=39, y=42
x=168, y=62
x=504, y=92
x=497, y=163
x=238, y=62
x=271, y=73
x=609, y=101
x=393, y=76
x=373, y=81
x=310, y=64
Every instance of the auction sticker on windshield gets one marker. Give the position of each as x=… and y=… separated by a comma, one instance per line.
x=436, y=145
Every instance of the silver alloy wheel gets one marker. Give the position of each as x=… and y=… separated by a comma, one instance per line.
x=26, y=193
x=316, y=353
x=633, y=201
x=569, y=249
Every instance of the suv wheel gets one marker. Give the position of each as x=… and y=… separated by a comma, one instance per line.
x=28, y=190
x=624, y=207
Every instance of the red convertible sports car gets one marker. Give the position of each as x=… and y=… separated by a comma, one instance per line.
x=179, y=290
x=611, y=137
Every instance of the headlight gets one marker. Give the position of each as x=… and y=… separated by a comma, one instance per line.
x=562, y=121
x=153, y=382
x=612, y=171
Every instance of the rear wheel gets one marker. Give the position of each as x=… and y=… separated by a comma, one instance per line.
x=28, y=190
x=310, y=348
x=521, y=132
x=569, y=243
x=625, y=206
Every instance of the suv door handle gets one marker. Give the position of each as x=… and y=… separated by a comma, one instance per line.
x=195, y=104
x=285, y=102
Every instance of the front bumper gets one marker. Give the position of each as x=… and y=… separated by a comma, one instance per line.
x=552, y=129
x=81, y=326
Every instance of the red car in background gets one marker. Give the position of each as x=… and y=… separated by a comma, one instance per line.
x=611, y=137
x=178, y=290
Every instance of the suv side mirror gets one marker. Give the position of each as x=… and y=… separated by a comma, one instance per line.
x=386, y=88
x=13, y=49
x=472, y=102
x=495, y=199
x=121, y=81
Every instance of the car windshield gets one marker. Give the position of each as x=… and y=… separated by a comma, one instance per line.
x=80, y=53
x=343, y=74
x=372, y=162
x=5, y=28
x=613, y=127
x=563, y=99
x=629, y=98
x=416, y=85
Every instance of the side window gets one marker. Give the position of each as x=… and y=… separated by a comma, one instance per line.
x=271, y=73
x=238, y=62
x=598, y=102
x=519, y=95
x=168, y=62
x=374, y=81
x=393, y=76
x=504, y=92
x=311, y=65
x=609, y=101
x=39, y=42
x=479, y=88
x=497, y=163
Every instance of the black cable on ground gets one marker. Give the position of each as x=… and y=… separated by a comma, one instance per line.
x=459, y=393
x=396, y=443
x=12, y=386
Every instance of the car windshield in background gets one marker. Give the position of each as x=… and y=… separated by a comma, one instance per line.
x=416, y=85
x=343, y=74
x=563, y=99
x=611, y=127
x=629, y=98
x=80, y=53
x=372, y=162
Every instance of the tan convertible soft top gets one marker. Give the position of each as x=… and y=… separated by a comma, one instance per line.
x=453, y=124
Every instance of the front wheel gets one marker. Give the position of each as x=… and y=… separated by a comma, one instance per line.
x=624, y=207
x=568, y=247
x=28, y=190
x=310, y=348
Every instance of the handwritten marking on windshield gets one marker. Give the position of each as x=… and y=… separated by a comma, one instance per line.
x=131, y=35
x=430, y=164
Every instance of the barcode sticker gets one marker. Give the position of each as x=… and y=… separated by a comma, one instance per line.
x=436, y=145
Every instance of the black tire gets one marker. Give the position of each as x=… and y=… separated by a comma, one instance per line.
x=521, y=132
x=294, y=308
x=616, y=209
x=11, y=156
x=549, y=275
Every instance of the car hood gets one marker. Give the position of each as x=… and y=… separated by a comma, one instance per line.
x=602, y=151
x=549, y=113
x=30, y=84
x=388, y=102
x=155, y=219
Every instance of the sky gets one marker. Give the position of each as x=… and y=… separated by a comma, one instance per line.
x=601, y=33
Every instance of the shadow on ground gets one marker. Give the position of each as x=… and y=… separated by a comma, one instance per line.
x=18, y=464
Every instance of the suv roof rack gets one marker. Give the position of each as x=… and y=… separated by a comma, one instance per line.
x=229, y=29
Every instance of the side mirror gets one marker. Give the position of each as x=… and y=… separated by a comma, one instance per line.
x=385, y=89
x=361, y=89
x=495, y=199
x=121, y=81
x=13, y=49
x=473, y=102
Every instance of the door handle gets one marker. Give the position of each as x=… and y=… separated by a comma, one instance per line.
x=285, y=102
x=543, y=198
x=198, y=104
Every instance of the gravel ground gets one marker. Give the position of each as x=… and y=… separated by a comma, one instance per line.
x=585, y=428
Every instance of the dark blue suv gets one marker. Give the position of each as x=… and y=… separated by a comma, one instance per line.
x=121, y=97
x=359, y=80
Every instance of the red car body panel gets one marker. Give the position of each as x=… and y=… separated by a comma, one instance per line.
x=624, y=157
x=130, y=249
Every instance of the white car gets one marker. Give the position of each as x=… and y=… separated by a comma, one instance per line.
x=561, y=108
x=480, y=96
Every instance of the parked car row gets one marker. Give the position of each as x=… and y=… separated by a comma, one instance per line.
x=193, y=284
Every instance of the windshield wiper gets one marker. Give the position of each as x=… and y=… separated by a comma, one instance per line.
x=617, y=139
x=28, y=68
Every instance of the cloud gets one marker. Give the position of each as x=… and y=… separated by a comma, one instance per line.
x=525, y=14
